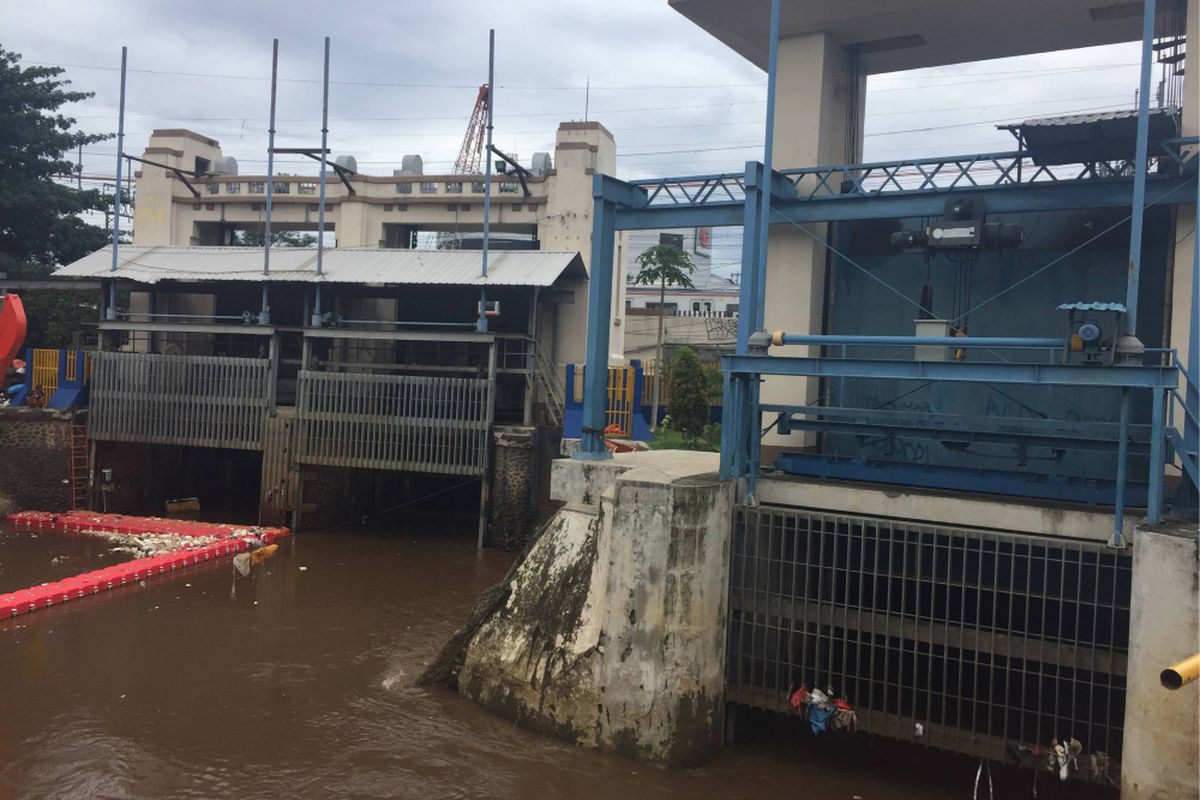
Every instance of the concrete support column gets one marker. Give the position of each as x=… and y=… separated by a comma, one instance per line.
x=1162, y=728
x=818, y=120
x=612, y=633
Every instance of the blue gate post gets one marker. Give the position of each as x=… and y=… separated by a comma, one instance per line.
x=595, y=377
x=733, y=460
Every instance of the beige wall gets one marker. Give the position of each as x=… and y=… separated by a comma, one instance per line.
x=818, y=118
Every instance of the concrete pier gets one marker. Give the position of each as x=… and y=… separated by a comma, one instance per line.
x=1162, y=728
x=613, y=635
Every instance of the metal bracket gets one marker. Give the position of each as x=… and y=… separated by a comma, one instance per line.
x=522, y=173
x=316, y=154
x=179, y=173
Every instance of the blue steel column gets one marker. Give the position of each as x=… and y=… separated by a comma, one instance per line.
x=1191, y=394
x=116, y=231
x=316, y=317
x=1154, y=503
x=481, y=323
x=764, y=228
x=734, y=430
x=1122, y=469
x=1139, y=175
x=595, y=378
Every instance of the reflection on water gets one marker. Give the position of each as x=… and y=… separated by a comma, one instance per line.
x=299, y=684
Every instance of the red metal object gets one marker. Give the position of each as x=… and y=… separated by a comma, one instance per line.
x=12, y=329
x=471, y=152
x=233, y=539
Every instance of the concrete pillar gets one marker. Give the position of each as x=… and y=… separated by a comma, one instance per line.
x=1162, y=728
x=818, y=120
x=613, y=634
x=581, y=150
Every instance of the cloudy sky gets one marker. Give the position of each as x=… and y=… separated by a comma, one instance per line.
x=405, y=75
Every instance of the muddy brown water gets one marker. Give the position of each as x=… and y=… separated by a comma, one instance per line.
x=299, y=683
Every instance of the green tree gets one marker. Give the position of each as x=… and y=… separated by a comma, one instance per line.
x=691, y=390
x=661, y=265
x=40, y=219
x=254, y=238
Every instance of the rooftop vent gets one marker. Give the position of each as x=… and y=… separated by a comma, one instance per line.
x=225, y=165
x=541, y=164
x=410, y=165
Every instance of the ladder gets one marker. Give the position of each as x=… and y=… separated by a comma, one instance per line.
x=79, y=464
x=546, y=375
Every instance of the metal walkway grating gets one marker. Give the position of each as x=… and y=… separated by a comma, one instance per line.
x=987, y=639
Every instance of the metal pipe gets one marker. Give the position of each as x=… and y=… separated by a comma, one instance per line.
x=1122, y=469
x=481, y=322
x=1139, y=174
x=1182, y=673
x=1009, y=342
x=264, y=313
x=270, y=159
x=116, y=233
x=764, y=228
x=316, y=320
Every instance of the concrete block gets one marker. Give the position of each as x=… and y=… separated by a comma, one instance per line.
x=614, y=633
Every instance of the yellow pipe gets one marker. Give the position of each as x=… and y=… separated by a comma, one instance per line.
x=777, y=338
x=1182, y=673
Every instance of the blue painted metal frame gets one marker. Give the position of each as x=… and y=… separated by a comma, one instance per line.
x=889, y=190
x=1002, y=482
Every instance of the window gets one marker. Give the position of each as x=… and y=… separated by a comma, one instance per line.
x=428, y=187
x=257, y=187
x=670, y=308
x=454, y=187
x=508, y=187
x=404, y=188
x=214, y=187
x=477, y=187
x=202, y=166
x=731, y=309
x=306, y=187
x=282, y=187
x=464, y=207
x=452, y=206
x=517, y=206
x=233, y=187
x=695, y=306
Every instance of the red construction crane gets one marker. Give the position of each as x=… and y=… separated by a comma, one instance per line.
x=469, y=157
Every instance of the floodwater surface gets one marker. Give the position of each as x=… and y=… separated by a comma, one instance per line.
x=297, y=681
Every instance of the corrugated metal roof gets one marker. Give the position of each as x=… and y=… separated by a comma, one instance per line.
x=1086, y=119
x=1093, y=307
x=142, y=264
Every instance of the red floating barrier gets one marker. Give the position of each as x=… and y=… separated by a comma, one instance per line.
x=231, y=539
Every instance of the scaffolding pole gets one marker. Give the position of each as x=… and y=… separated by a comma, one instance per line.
x=481, y=323
x=116, y=229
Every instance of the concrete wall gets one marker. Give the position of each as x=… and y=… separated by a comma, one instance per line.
x=1162, y=728
x=614, y=633
x=514, y=483
x=36, y=460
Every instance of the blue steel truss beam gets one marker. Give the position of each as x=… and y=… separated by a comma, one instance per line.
x=1097, y=193
x=959, y=428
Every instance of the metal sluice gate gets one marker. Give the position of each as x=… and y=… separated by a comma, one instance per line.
x=975, y=641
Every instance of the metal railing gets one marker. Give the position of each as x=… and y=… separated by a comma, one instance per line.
x=935, y=173
x=398, y=422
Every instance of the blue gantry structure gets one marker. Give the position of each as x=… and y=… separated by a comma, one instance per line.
x=1149, y=383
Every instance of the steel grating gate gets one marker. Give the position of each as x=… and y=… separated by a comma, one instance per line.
x=986, y=640
x=401, y=422
x=201, y=401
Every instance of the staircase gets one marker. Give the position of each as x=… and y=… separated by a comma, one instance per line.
x=546, y=376
x=79, y=464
